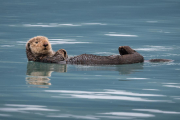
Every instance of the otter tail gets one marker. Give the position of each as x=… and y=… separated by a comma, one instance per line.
x=125, y=50
x=160, y=60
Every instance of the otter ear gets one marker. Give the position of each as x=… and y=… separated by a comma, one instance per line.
x=27, y=46
x=29, y=54
x=63, y=53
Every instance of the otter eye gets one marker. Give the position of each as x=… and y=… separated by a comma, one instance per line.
x=36, y=42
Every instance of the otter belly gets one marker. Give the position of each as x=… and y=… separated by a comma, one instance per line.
x=90, y=59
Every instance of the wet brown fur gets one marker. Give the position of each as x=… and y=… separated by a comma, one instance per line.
x=39, y=49
x=36, y=46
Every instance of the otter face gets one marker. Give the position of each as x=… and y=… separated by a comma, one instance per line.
x=39, y=45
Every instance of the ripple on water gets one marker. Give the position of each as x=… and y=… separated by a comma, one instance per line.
x=120, y=35
x=132, y=114
x=155, y=48
x=108, y=95
x=173, y=86
x=59, y=41
x=157, y=111
x=7, y=45
x=24, y=108
x=5, y=115
x=137, y=78
x=49, y=25
x=65, y=41
x=151, y=89
x=58, y=25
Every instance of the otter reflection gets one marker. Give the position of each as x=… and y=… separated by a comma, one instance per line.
x=122, y=69
x=39, y=73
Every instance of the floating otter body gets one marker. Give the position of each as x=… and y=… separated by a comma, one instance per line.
x=39, y=49
x=127, y=56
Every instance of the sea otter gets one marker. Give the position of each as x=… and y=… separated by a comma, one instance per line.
x=39, y=49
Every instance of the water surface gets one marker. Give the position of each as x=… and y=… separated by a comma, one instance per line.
x=143, y=91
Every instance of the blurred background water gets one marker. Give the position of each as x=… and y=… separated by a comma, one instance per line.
x=41, y=91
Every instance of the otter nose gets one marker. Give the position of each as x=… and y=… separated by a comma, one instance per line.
x=45, y=44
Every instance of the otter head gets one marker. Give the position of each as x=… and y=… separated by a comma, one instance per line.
x=39, y=46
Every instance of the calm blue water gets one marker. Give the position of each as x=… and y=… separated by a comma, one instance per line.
x=40, y=91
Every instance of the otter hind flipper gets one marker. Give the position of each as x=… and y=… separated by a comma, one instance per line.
x=124, y=50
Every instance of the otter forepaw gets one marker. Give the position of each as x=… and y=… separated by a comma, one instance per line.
x=62, y=52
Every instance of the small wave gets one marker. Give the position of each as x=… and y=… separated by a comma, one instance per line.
x=132, y=114
x=58, y=25
x=74, y=116
x=21, y=42
x=170, y=54
x=155, y=48
x=24, y=108
x=151, y=21
x=7, y=45
x=157, y=111
x=151, y=89
x=171, y=83
x=49, y=25
x=108, y=91
x=93, y=24
x=4, y=115
x=90, y=117
x=107, y=95
x=98, y=75
x=174, y=86
x=68, y=25
x=65, y=41
x=59, y=41
x=137, y=78
x=177, y=98
x=121, y=35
